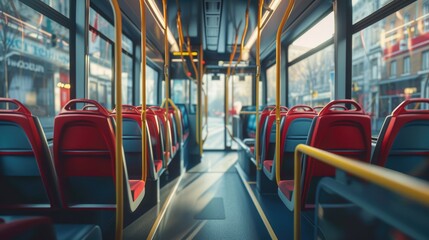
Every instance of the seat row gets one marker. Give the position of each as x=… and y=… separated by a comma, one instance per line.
x=80, y=177
x=342, y=130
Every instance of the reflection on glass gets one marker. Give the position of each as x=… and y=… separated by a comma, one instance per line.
x=311, y=80
x=394, y=56
x=313, y=37
x=34, y=61
x=61, y=6
x=100, y=74
x=363, y=8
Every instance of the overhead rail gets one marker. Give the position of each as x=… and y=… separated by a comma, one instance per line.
x=402, y=184
x=286, y=15
x=118, y=148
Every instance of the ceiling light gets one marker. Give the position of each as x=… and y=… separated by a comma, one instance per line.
x=160, y=20
x=267, y=15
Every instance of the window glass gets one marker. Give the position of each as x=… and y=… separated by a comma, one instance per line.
x=311, y=80
x=100, y=74
x=398, y=61
x=101, y=25
x=127, y=79
x=261, y=95
x=35, y=60
x=271, y=85
x=406, y=66
x=62, y=6
x=313, y=37
x=127, y=44
x=180, y=90
x=151, y=86
x=363, y=8
x=241, y=91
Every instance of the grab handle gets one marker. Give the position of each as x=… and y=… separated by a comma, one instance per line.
x=20, y=107
x=328, y=108
x=401, y=108
x=98, y=107
x=298, y=109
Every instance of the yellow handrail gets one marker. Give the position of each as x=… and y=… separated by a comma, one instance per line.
x=200, y=87
x=118, y=148
x=166, y=74
x=278, y=69
x=258, y=76
x=143, y=87
x=394, y=181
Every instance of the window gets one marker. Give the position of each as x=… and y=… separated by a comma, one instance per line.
x=426, y=16
x=180, y=90
x=396, y=61
x=127, y=79
x=271, y=85
x=151, y=86
x=425, y=60
x=363, y=8
x=242, y=90
x=393, y=69
x=61, y=6
x=407, y=65
x=34, y=61
x=100, y=53
x=311, y=80
x=313, y=37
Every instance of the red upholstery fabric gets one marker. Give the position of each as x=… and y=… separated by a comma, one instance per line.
x=286, y=187
x=268, y=164
x=137, y=187
x=252, y=149
x=158, y=165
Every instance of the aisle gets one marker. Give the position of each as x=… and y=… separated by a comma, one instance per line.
x=212, y=203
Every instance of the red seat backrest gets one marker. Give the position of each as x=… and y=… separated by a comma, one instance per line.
x=343, y=132
x=295, y=131
x=27, y=172
x=403, y=141
x=84, y=157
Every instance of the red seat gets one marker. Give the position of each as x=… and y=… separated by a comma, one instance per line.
x=84, y=150
x=28, y=179
x=343, y=132
x=403, y=141
x=295, y=131
x=133, y=145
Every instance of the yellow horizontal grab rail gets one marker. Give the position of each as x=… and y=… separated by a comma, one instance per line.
x=397, y=182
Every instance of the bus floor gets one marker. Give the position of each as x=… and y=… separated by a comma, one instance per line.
x=211, y=201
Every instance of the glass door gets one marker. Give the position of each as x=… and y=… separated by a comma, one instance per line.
x=215, y=89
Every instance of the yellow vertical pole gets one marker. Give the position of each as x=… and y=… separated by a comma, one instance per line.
x=297, y=197
x=118, y=148
x=258, y=78
x=278, y=69
x=143, y=87
x=166, y=73
x=200, y=86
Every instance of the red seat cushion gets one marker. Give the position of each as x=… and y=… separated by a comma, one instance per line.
x=252, y=149
x=136, y=187
x=286, y=187
x=268, y=164
x=158, y=165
